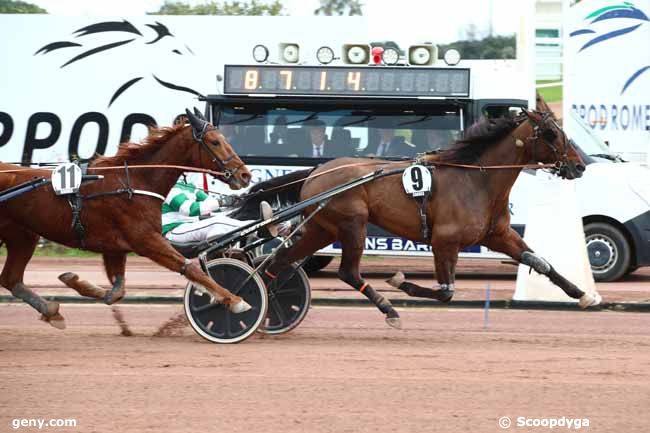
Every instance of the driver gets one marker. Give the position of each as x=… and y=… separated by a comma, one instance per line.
x=187, y=215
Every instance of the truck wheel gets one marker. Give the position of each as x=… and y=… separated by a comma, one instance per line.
x=316, y=263
x=608, y=250
x=631, y=269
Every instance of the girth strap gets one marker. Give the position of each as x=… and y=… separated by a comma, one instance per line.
x=423, y=202
x=76, y=203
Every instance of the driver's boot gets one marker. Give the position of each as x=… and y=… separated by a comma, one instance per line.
x=266, y=213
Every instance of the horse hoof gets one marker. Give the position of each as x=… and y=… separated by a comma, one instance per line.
x=590, y=300
x=240, y=307
x=397, y=279
x=394, y=322
x=445, y=295
x=55, y=320
x=68, y=278
x=114, y=296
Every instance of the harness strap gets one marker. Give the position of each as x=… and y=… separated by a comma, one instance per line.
x=76, y=204
x=424, y=223
x=76, y=201
x=149, y=193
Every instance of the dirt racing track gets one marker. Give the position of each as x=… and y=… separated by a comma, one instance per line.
x=342, y=370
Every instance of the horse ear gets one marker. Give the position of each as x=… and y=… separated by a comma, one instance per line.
x=200, y=115
x=531, y=115
x=197, y=124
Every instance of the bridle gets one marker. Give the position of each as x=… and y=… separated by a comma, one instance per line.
x=546, y=132
x=199, y=136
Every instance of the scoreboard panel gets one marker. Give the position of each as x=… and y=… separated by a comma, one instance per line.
x=346, y=81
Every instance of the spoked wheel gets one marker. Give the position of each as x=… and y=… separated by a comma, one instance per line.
x=289, y=299
x=214, y=321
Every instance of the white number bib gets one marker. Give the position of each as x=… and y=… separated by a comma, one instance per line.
x=66, y=178
x=417, y=180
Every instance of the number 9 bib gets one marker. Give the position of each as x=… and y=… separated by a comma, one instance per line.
x=417, y=180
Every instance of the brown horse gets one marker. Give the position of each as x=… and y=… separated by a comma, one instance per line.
x=116, y=224
x=467, y=207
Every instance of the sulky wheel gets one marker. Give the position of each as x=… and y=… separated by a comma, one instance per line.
x=214, y=321
x=289, y=299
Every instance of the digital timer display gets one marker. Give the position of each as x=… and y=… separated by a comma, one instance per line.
x=346, y=81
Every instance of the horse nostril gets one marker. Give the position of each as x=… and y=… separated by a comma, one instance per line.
x=580, y=168
x=246, y=177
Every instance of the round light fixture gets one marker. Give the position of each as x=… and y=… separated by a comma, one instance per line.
x=420, y=56
x=452, y=57
x=290, y=53
x=325, y=55
x=390, y=56
x=260, y=53
x=357, y=55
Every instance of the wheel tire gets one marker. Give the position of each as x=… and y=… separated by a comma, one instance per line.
x=316, y=263
x=289, y=305
x=215, y=322
x=608, y=250
x=631, y=269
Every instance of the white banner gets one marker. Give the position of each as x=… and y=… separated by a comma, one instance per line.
x=607, y=71
x=77, y=85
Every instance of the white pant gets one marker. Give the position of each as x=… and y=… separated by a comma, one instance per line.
x=204, y=229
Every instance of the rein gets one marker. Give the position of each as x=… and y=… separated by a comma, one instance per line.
x=417, y=160
x=175, y=167
x=490, y=167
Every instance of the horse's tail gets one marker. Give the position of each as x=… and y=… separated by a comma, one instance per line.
x=280, y=192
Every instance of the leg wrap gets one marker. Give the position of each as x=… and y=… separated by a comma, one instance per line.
x=444, y=293
x=543, y=267
x=118, y=283
x=117, y=291
x=566, y=285
x=539, y=264
x=184, y=267
x=382, y=303
x=22, y=292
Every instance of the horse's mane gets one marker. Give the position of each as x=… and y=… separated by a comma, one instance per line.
x=129, y=151
x=478, y=138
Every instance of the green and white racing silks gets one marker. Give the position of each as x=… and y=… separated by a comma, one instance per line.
x=185, y=203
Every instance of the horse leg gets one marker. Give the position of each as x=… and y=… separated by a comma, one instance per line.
x=352, y=234
x=83, y=287
x=445, y=262
x=513, y=245
x=114, y=265
x=157, y=248
x=313, y=238
x=20, y=248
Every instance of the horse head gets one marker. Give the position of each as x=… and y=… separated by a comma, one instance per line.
x=216, y=153
x=550, y=145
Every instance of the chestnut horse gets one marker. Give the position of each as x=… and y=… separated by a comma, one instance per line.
x=116, y=224
x=467, y=206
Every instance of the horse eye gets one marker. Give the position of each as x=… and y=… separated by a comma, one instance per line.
x=216, y=143
x=549, y=135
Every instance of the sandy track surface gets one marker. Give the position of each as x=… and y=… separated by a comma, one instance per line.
x=342, y=370
x=146, y=278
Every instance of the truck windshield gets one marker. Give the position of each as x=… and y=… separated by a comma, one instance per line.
x=584, y=137
x=329, y=133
